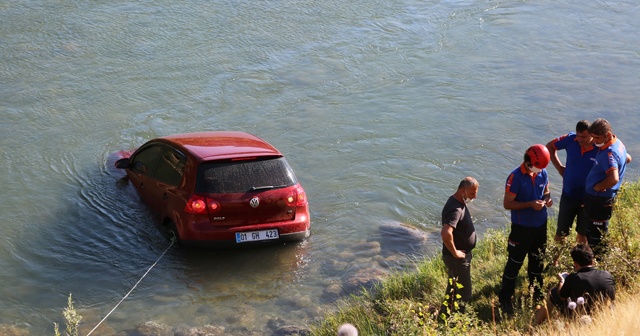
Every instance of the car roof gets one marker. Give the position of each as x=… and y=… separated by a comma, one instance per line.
x=218, y=145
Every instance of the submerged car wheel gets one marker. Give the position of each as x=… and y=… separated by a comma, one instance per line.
x=172, y=232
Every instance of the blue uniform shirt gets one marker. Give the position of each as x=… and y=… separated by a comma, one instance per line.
x=527, y=188
x=578, y=165
x=613, y=155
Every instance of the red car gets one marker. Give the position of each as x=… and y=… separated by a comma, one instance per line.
x=218, y=189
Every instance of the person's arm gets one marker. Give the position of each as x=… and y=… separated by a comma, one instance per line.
x=447, y=240
x=510, y=203
x=629, y=158
x=561, y=277
x=546, y=197
x=553, y=152
x=609, y=181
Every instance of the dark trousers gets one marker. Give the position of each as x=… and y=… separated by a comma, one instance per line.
x=523, y=242
x=571, y=209
x=599, y=211
x=458, y=271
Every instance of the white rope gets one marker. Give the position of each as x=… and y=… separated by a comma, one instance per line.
x=134, y=287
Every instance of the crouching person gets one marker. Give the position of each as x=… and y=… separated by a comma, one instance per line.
x=580, y=290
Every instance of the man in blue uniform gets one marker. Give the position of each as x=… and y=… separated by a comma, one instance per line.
x=581, y=153
x=603, y=181
x=527, y=196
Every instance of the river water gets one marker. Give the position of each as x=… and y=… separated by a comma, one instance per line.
x=381, y=107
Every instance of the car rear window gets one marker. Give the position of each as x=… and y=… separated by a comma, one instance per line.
x=244, y=175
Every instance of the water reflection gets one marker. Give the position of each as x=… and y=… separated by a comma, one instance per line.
x=228, y=272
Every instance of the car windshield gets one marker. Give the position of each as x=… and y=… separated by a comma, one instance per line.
x=244, y=175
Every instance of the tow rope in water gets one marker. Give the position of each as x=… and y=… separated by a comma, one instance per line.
x=134, y=287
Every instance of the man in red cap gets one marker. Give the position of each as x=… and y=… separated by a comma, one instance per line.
x=527, y=196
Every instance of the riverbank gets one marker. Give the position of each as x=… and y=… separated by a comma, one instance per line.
x=407, y=303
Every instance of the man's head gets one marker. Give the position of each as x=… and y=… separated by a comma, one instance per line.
x=582, y=255
x=536, y=158
x=468, y=189
x=583, y=136
x=601, y=131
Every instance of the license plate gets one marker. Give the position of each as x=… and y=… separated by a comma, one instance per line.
x=243, y=237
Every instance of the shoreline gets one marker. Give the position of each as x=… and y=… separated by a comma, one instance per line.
x=406, y=303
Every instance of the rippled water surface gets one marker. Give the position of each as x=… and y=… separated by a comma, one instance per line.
x=381, y=107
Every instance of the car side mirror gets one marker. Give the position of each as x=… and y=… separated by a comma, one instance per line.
x=122, y=163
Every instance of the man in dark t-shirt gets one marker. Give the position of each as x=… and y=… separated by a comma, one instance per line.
x=582, y=289
x=458, y=239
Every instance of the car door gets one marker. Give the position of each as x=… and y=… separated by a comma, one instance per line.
x=142, y=167
x=167, y=183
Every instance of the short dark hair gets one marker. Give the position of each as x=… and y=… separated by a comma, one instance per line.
x=582, y=125
x=582, y=255
x=600, y=126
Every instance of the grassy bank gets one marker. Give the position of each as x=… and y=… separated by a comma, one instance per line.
x=406, y=303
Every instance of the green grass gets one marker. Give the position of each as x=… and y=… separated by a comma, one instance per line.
x=406, y=303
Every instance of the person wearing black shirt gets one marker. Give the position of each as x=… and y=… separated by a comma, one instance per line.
x=458, y=239
x=581, y=289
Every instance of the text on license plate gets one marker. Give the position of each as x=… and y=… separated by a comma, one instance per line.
x=243, y=237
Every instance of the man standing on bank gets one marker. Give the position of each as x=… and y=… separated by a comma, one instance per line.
x=527, y=196
x=581, y=153
x=603, y=181
x=459, y=238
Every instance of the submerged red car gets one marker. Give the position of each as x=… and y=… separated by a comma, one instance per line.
x=218, y=189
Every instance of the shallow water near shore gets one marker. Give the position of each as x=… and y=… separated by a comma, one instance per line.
x=380, y=107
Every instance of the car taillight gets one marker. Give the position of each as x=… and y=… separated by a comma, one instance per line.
x=200, y=205
x=297, y=198
x=213, y=205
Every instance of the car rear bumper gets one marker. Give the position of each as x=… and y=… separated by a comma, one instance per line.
x=215, y=244
x=203, y=234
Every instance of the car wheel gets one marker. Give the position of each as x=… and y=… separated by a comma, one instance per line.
x=172, y=232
